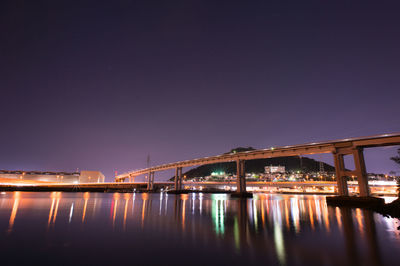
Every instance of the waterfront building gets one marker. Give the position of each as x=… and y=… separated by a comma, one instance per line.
x=59, y=177
x=274, y=169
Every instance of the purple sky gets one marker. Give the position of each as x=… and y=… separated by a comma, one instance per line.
x=99, y=85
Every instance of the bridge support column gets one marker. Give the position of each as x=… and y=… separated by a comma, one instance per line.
x=361, y=172
x=241, y=177
x=150, y=181
x=131, y=178
x=340, y=178
x=180, y=178
x=176, y=179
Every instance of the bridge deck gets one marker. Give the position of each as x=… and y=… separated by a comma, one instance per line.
x=295, y=150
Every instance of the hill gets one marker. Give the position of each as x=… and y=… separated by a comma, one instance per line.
x=292, y=163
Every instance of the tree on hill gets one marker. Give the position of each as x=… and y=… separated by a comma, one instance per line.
x=396, y=158
x=240, y=149
x=292, y=163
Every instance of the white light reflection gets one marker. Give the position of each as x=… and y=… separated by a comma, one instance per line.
x=201, y=202
x=166, y=204
x=71, y=211
x=278, y=235
x=218, y=213
x=255, y=214
x=161, y=200
x=294, y=209
x=193, y=200
x=133, y=203
x=318, y=210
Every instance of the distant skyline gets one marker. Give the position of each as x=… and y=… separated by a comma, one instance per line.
x=99, y=85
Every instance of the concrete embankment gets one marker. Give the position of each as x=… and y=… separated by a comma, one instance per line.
x=371, y=203
x=108, y=187
x=100, y=187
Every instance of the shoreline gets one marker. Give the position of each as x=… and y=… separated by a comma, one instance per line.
x=140, y=188
x=371, y=203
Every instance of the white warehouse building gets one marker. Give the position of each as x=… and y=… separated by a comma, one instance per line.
x=59, y=177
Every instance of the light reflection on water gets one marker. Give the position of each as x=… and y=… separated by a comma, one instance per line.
x=88, y=228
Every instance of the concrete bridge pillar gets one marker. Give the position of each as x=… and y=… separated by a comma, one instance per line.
x=178, y=178
x=361, y=172
x=241, y=177
x=340, y=178
x=150, y=181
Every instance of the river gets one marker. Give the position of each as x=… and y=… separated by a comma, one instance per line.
x=190, y=229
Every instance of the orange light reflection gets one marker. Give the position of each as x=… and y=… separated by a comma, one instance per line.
x=14, y=211
x=125, y=212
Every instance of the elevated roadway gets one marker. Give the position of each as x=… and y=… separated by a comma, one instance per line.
x=339, y=149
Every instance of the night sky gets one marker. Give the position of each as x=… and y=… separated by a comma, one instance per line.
x=99, y=85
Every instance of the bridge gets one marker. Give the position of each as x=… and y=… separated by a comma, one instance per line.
x=338, y=148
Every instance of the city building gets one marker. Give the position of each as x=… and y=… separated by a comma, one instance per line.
x=274, y=169
x=59, y=177
x=218, y=174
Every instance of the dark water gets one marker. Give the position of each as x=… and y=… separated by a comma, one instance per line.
x=195, y=229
